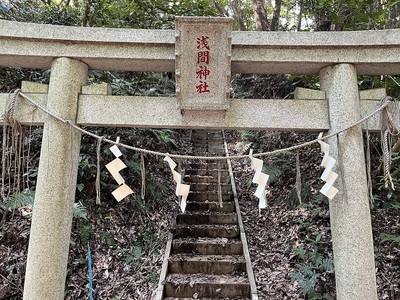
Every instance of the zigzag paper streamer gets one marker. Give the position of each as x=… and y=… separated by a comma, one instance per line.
x=328, y=175
x=260, y=178
x=181, y=189
x=114, y=168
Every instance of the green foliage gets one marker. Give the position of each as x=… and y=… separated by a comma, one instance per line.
x=304, y=81
x=85, y=231
x=393, y=240
x=314, y=267
x=387, y=197
x=293, y=200
x=25, y=198
x=351, y=15
x=149, y=243
x=154, y=14
x=132, y=255
x=136, y=83
x=152, y=139
x=273, y=171
x=49, y=12
x=80, y=211
x=256, y=139
x=152, y=242
x=22, y=199
x=11, y=78
x=153, y=276
x=310, y=270
x=261, y=86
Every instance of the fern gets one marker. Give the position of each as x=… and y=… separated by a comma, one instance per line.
x=25, y=198
x=272, y=171
x=327, y=264
x=21, y=199
x=385, y=237
x=84, y=232
x=80, y=211
x=319, y=198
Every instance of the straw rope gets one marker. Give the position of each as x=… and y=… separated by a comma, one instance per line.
x=384, y=103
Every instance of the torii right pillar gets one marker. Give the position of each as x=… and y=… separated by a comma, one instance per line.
x=350, y=216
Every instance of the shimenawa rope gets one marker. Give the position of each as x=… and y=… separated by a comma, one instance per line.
x=385, y=103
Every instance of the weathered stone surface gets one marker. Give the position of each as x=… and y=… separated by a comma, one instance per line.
x=203, y=62
x=308, y=94
x=23, y=111
x=373, y=94
x=308, y=52
x=163, y=112
x=36, y=45
x=34, y=87
x=353, y=249
x=55, y=189
x=97, y=89
x=102, y=110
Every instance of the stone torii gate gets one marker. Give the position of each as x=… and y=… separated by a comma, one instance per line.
x=338, y=57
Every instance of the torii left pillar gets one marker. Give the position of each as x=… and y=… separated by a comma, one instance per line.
x=56, y=183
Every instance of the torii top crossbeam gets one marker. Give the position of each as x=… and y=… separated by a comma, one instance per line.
x=36, y=45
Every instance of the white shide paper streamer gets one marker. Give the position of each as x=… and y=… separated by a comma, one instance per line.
x=181, y=189
x=328, y=175
x=261, y=179
x=114, y=168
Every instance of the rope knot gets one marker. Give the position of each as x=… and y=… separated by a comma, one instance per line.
x=390, y=126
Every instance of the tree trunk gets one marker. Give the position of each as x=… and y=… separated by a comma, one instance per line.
x=276, y=16
x=260, y=15
x=300, y=16
x=85, y=19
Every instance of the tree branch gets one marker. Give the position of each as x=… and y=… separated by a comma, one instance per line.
x=237, y=16
x=300, y=16
x=276, y=16
x=85, y=19
x=222, y=11
x=260, y=15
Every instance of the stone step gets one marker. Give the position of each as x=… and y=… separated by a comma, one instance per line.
x=206, y=286
x=210, y=197
x=210, y=143
x=217, y=143
x=207, y=264
x=211, y=231
x=206, y=260
x=196, y=218
x=210, y=165
x=210, y=187
x=205, y=172
x=210, y=206
x=207, y=246
x=201, y=135
x=206, y=179
x=208, y=151
x=191, y=298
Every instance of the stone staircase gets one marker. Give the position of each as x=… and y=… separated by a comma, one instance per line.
x=206, y=258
